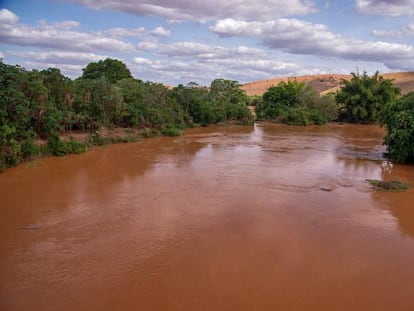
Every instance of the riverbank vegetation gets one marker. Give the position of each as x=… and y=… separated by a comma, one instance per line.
x=45, y=105
x=364, y=100
x=296, y=103
x=38, y=108
x=388, y=186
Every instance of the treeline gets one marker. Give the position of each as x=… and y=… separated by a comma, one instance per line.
x=363, y=99
x=45, y=104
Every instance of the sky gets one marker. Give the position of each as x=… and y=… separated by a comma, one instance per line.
x=180, y=41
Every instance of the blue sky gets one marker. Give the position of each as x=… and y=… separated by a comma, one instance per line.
x=178, y=41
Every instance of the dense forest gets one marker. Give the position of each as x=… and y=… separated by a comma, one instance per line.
x=40, y=106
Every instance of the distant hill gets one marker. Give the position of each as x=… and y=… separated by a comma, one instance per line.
x=326, y=83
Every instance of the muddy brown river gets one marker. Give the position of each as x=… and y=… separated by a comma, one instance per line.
x=268, y=217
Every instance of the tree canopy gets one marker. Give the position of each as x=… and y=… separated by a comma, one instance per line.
x=363, y=98
x=110, y=69
x=44, y=104
x=296, y=103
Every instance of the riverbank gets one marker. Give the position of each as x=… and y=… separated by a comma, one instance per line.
x=76, y=142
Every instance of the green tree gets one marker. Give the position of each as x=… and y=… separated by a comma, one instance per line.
x=227, y=91
x=279, y=98
x=398, y=118
x=97, y=103
x=363, y=98
x=110, y=69
x=296, y=103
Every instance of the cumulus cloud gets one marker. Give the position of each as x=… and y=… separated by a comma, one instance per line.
x=204, y=51
x=406, y=31
x=202, y=63
x=8, y=17
x=63, y=36
x=64, y=25
x=299, y=37
x=138, y=32
x=161, y=31
x=186, y=54
x=201, y=10
x=68, y=70
x=59, y=57
x=386, y=7
x=406, y=65
x=54, y=36
x=1, y=55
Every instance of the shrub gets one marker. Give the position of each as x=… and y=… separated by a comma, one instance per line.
x=96, y=139
x=296, y=104
x=29, y=150
x=56, y=146
x=398, y=118
x=148, y=133
x=75, y=146
x=171, y=131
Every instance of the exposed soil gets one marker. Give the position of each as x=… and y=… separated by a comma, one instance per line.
x=326, y=83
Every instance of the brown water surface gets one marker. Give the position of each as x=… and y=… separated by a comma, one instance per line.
x=239, y=218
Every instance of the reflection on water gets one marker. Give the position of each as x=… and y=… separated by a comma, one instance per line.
x=268, y=217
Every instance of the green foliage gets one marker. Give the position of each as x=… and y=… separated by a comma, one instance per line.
x=59, y=148
x=224, y=101
x=303, y=116
x=97, y=139
x=389, y=186
x=363, y=98
x=171, y=131
x=75, y=146
x=295, y=103
x=45, y=104
x=227, y=91
x=29, y=149
x=398, y=118
x=149, y=133
x=108, y=69
x=56, y=146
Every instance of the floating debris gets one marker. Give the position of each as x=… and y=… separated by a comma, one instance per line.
x=389, y=186
x=327, y=189
x=31, y=227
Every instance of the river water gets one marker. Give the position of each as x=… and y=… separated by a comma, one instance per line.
x=268, y=217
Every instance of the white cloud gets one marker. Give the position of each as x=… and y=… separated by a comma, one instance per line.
x=204, y=51
x=137, y=32
x=68, y=70
x=1, y=55
x=173, y=71
x=148, y=45
x=65, y=25
x=62, y=35
x=142, y=61
x=190, y=61
x=48, y=36
x=8, y=17
x=406, y=31
x=161, y=31
x=386, y=7
x=59, y=57
x=299, y=37
x=202, y=10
